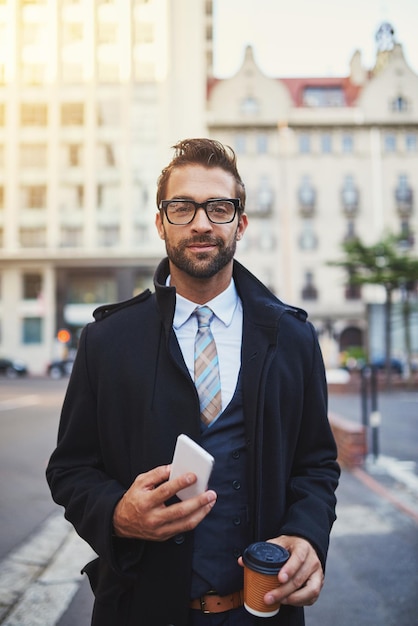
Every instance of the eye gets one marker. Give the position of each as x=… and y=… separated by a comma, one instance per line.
x=219, y=208
x=180, y=207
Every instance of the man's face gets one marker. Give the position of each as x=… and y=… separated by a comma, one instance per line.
x=200, y=249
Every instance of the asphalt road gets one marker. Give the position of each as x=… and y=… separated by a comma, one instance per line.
x=372, y=574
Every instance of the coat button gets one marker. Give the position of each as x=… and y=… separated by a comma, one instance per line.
x=179, y=539
x=236, y=485
x=236, y=521
x=235, y=454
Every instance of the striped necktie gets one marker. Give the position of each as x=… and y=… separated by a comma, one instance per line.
x=206, y=367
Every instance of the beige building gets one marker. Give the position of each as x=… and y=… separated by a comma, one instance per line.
x=323, y=159
x=92, y=95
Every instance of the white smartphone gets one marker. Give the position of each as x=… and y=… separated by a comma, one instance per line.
x=190, y=457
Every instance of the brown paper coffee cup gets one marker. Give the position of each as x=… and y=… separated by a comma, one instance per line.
x=262, y=562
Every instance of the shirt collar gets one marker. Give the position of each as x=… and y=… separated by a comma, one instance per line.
x=223, y=305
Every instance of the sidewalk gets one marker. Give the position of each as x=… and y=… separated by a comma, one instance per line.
x=372, y=573
x=371, y=578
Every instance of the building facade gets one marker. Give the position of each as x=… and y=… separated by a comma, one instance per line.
x=91, y=99
x=325, y=160
x=92, y=95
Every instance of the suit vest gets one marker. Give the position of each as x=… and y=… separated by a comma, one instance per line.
x=223, y=535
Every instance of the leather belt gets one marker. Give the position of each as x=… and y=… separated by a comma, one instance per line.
x=212, y=603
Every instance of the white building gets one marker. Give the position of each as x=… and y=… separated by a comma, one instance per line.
x=92, y=96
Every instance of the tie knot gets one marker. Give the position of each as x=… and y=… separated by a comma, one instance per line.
x=204, y=315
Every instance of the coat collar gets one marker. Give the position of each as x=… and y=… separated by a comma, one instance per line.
x=261, y=307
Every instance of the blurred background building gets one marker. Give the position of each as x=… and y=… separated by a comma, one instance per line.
x=92, y=95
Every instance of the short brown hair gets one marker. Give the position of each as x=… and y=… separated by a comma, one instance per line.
x=206, y=152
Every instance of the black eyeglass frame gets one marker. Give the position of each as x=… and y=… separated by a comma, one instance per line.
x=197, y=205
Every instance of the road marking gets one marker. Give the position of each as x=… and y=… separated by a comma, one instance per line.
x=18, y=403
x=39, y=579
x=380, y=490
x=355, y=519
x=402, y=471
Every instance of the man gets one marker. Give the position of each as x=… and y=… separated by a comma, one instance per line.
x=162, y=561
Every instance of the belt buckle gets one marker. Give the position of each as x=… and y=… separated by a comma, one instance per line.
x=203, y=601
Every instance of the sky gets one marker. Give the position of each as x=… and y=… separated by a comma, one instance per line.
x=309, y=37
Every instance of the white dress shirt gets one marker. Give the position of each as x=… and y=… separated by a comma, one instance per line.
x=226, y=327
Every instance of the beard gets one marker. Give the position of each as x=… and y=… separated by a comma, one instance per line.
x=203, y=264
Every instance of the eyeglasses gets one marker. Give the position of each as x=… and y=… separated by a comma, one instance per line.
x=218, y=210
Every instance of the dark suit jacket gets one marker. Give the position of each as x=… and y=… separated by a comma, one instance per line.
x=128, y=398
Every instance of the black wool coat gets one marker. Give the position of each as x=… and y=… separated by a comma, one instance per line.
x=130, y=395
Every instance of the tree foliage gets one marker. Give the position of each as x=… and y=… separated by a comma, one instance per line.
x=390, y=264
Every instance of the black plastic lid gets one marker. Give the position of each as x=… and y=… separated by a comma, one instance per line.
x=265, y=557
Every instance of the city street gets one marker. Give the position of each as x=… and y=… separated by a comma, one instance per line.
x=371, y=579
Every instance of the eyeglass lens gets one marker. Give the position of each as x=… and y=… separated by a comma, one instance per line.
x=183, y=211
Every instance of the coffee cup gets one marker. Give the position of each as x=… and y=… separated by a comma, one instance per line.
x=262, y=562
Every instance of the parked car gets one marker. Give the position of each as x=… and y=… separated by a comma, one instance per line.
x=396, y=365
x=60, y=368
x=12, y=368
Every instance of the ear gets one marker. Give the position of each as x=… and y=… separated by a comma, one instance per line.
x=242, y=226
x=159, y=225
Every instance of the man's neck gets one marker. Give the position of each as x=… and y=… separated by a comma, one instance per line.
x=200, y=290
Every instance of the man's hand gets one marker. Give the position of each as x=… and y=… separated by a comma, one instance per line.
x=142, y=513
x=301, y=578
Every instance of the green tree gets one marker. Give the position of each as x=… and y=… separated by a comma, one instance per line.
x=387, y=263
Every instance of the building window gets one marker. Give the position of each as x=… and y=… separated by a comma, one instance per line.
x=2, y=115
x=399, y=104
x=323, y=97
x=262, y=143
x=304, y=143
x=74, y=155
x=71, y=237
x=1, y=197
x=108, y=113
x=72, y=114
x=32, y=237
x=32, y=286
x=33, y=114
x=249, y=106
x=411, y=142
x=107, y=32
x=326, y=143
x=308, y=239
x=108, y=72
x=33, y=155
x=88, y=289
x=390, y=142
x=309, y=291
x=349, y=196
x=33, y=73
x=404, y=196
x=240, y=143
x=72, y=72
x=350, y=234
x=108, y=236
x=144, y=32
x=34, y=196
x=71, y=197
x=347, y=143
x=261, y=201
x=306, y=197
x=31, y=330
x=106, y=155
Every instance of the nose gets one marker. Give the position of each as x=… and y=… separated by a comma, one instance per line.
x=201, y=220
